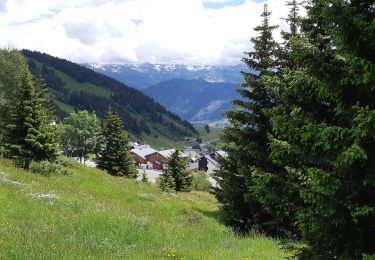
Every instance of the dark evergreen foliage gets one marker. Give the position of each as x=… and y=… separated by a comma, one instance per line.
x=115, y=157
x=325, y=128
x=250, y=182
x=301, y=150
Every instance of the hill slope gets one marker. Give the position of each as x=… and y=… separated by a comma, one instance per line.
x=76, y=87
x=194, y=100
x=89, y=214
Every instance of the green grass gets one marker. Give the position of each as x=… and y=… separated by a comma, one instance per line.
x=64, y=107
x=85, y=87
x=98, y=216
x=214, y=133
x=75, y=86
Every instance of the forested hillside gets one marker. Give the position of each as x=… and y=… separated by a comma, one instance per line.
x=74, y=87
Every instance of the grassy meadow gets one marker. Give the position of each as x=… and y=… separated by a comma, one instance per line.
x=89, y=214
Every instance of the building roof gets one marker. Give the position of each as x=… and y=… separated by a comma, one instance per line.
x=168, y=153
x=193, y=154
x=212, y=160
x=222, y=153
x=193, y=166
x=143, y=152
x=142, y=146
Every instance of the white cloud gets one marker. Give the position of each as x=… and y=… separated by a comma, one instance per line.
x=3, y=6
x=166, y=31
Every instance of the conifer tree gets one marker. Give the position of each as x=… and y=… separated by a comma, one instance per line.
x=28, y=132
x=324, y=127
x=177, y=168
x=278, y=191
x=167, y=182
x=247, y=139
x=12, y=65
x=116, y=158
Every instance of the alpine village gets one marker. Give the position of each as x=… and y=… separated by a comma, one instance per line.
x=101, y=161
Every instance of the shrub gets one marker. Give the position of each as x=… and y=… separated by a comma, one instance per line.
x=47, y=168
x=166, y=182
x=144, y=177
x=200, y=182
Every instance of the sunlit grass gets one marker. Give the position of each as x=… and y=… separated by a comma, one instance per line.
x=89, y=214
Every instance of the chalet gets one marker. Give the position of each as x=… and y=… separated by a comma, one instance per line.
x=140, y=155
x=163, y=156
x=212, y=164
x=208, y=164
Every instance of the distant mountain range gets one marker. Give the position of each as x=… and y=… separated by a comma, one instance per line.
x=141, y=76
x=194, y=92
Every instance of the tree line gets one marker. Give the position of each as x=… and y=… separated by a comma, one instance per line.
x=301, y=145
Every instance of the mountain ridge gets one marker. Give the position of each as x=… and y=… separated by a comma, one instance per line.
x=194, y=100
x=142, y=76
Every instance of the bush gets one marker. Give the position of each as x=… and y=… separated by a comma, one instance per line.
x=200, y=182
x=47, y=168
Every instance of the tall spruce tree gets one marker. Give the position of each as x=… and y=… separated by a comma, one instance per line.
x=116, y=158
x=28, y=132
x=247, y=140
x=177, y=168
x=278, y=192
x=325, y=128
x=12, y=64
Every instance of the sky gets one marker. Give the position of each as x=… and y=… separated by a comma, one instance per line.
x=210, y=32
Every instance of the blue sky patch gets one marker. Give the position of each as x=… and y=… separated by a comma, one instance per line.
x=137, y=21
x=219, y=5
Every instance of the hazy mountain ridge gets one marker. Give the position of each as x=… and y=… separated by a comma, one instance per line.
x=194, y=100
x=141, y=76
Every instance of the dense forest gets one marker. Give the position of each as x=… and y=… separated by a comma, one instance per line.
x=139, y=111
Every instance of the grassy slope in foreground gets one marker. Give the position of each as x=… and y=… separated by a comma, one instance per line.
x=91, y=214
